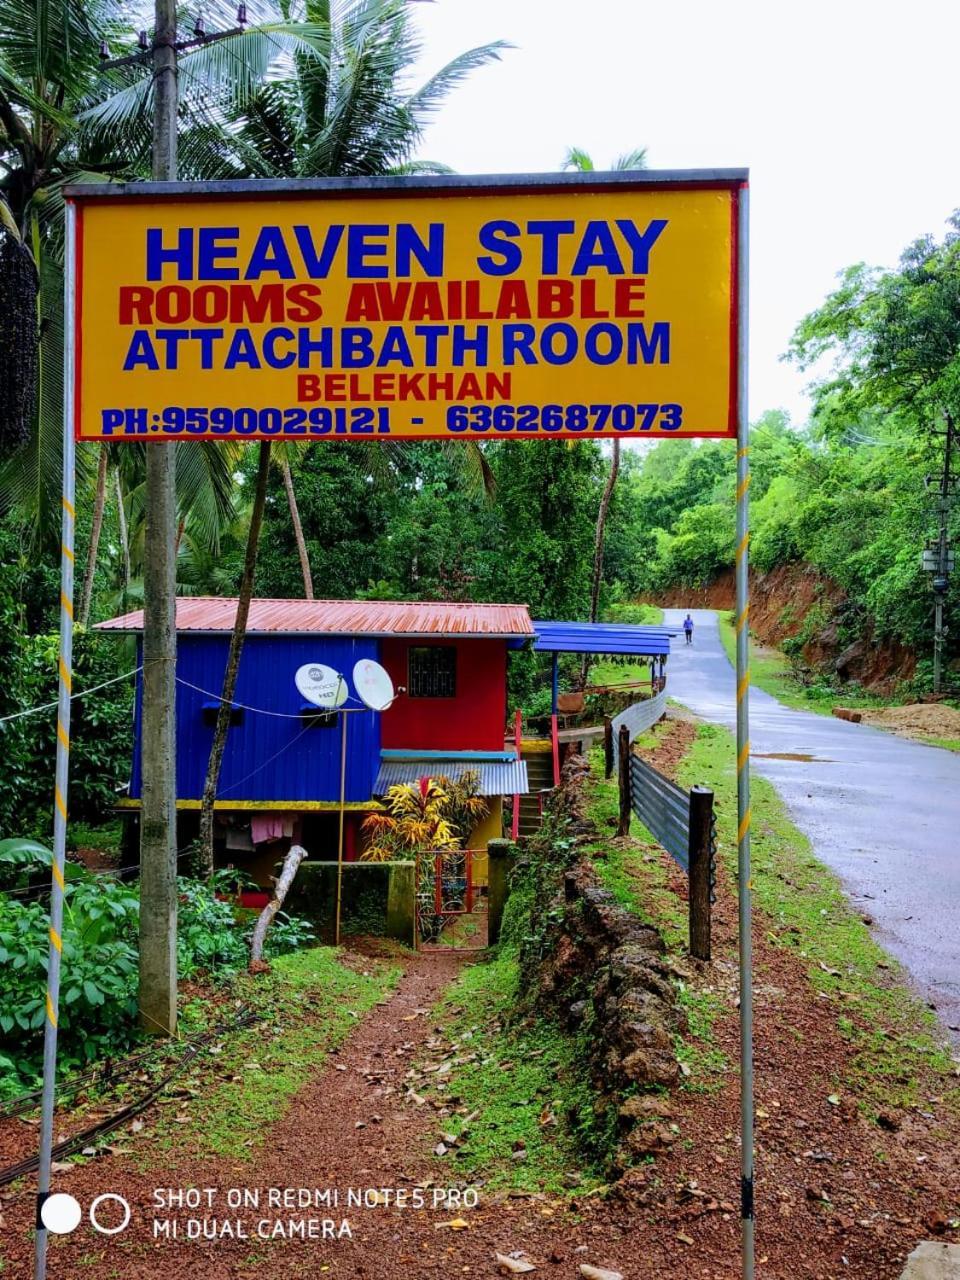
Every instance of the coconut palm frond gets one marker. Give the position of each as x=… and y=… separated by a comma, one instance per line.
x=478, y=475
x=228, y=73
x=430, y=96
x=206, y=486
x=17, y=93
x=416, y=168
x=636, y=159
x=582, y=162
x=577, y=158
x=365, y=126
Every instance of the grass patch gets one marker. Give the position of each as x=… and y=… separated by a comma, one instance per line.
x=898, y=1045
x=770, y=671
x=609, y=672
x=310, y=1002
x=634, y=614
x=634, y=871
x=106, y=836
x=948, y=744
x=524, y=1084
x=702, y=1064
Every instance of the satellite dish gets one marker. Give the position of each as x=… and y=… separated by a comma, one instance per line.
x=321, y=685
x=373, y=685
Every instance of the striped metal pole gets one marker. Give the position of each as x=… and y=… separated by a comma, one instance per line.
x=341, y=687
x=63, y=753
x=743, y=751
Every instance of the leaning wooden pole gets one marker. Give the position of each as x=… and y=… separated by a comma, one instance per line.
x=291, y=864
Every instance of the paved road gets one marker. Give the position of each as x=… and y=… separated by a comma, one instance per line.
x=882, y=811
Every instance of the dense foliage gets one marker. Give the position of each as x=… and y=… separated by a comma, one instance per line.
x=855, y=507
x=417, y=525
x=98, y=1004
x=102, y=724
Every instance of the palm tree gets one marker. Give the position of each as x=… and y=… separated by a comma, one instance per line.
x=345, y=113
x=63, y=119
x=282, y=459
x=580, y=160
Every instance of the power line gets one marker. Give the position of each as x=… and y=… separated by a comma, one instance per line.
x=49, y=706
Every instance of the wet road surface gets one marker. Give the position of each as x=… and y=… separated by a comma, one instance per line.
x=882, y=811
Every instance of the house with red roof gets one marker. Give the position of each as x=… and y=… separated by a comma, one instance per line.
x=281, y=774
x=283, y=769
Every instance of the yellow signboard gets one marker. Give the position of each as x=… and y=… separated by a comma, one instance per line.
x=474, y=312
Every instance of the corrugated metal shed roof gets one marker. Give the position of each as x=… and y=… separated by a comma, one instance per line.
x=497, y=778
x=345, y=617
x=601, y=637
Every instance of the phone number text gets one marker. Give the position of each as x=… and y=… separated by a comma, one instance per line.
x=322, y=420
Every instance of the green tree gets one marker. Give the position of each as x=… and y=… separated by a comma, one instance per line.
x=894, y=336
x=580, y=160
x=342, y=114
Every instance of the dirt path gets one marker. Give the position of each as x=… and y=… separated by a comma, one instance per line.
x=348, y=1127
x=837, y=1197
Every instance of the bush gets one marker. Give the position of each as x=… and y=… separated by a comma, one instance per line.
x=98, y=999
x=101, y=732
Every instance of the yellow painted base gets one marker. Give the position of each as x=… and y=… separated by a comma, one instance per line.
x=491, y=828
x=273, y=806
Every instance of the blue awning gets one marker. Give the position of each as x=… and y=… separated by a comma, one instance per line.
x=599, y=637
x=500, y=773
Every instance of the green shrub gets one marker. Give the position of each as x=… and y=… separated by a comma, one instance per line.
x=98, y=998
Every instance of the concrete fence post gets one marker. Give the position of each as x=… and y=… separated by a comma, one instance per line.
x=623, y=751
x=500, y=855
x=401, y=920
x=699, y=849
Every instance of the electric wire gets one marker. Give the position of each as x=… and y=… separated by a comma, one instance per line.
x=69, y=1146
x=74, y=697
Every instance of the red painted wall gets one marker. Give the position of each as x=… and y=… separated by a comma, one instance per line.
x=472, y=721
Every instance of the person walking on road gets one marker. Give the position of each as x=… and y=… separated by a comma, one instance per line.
x=688, y=629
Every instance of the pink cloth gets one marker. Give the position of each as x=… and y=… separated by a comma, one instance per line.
x=265, y=827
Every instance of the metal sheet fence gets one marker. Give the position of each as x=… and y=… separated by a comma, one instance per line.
x=638, y=718
x=663, y=808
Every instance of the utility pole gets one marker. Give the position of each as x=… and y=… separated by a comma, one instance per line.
x=938, y=558
x=158, y=812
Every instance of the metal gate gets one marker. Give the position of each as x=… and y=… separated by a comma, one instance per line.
x=451, y=900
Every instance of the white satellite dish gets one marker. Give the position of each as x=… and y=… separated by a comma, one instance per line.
x=321, y=685
x=373, y=685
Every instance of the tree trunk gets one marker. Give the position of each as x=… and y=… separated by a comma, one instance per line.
x=124, y=532
x=598, y=549
x=297, y=527
x=291, y=864
x=158, y=737
x=233, y=661
x=86, y=595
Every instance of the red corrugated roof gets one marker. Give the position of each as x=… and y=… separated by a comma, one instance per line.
x=344, y=617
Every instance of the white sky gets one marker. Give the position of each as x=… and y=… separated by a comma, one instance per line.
x=845, y=111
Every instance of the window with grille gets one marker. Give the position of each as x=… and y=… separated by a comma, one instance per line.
x=432, y=672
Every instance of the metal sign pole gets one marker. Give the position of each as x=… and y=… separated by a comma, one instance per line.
x=63, y=756
x=344, y=716
x=743, y=751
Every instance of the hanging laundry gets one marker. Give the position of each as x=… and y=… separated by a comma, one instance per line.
x=265, y=827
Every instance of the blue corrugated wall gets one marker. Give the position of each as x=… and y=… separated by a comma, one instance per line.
x=268, y=758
